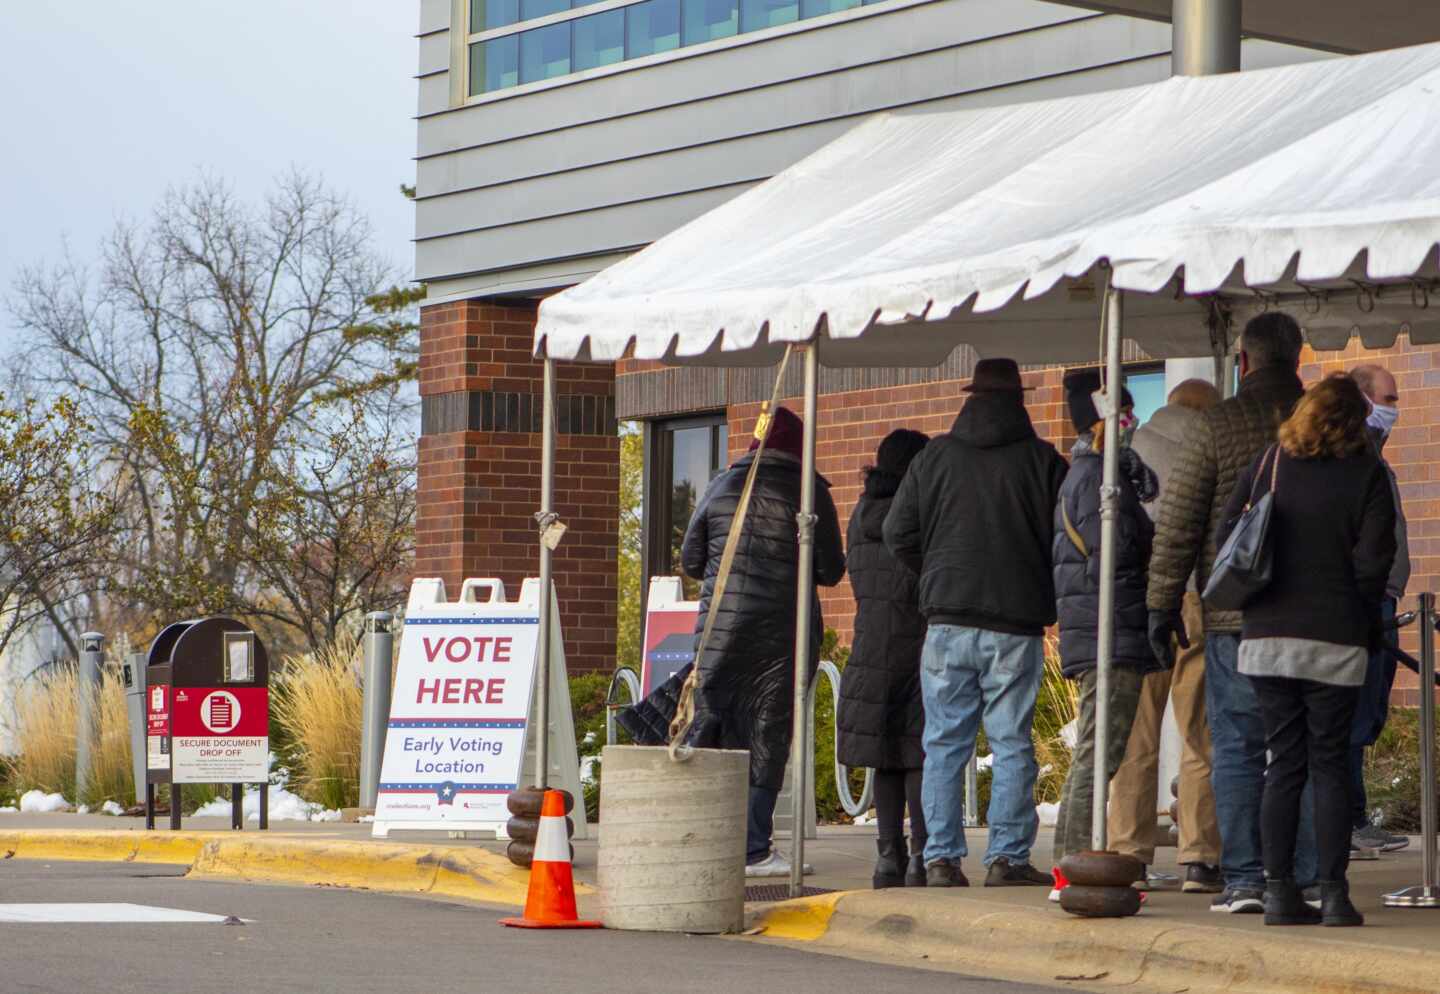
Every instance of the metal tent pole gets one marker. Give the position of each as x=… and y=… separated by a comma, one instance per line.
x=1205, y=37
x=804, y=591
x=1109, y=499
x=544, y=518
x=87, y=700
x=1427, y=895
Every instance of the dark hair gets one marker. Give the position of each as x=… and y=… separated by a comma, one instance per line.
x=1329, y=421
x=1272, y=339
x=892, y=459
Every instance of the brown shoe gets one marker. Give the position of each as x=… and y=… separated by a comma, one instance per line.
x=1004, y=873
x=945, y=873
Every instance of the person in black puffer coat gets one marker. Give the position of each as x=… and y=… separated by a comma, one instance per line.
x=745, y=688
x=882, y=717
x=1076, y=555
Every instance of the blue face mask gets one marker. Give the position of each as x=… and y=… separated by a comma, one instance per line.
x=1383, y=417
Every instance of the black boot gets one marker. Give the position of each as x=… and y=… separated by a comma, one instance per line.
x=1335, y=906
x=1285, y=905
x=915, y=875
x=890, y=865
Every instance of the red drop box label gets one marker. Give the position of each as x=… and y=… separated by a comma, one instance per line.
x=221, y=734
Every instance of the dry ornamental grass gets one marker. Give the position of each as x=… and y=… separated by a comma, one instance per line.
x=317, y=702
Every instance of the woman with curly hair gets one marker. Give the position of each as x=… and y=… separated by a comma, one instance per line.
x=1305, y=638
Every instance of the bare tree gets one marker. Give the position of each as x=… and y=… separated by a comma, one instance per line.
x=206, y=353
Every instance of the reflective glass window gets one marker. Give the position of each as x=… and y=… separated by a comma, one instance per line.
x=545, y=52
x=756, y=15
x=650, y=27
x=487, y=14
x=494, y=64
x=599, y=39
x=530, y=9
x=706, y=20
x=815, y=8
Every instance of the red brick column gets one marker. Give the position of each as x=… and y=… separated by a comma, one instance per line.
x=479, y=468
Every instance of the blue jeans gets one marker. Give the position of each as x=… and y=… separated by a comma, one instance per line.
x=1237, y=742
x=760, y=823
x=970, y=675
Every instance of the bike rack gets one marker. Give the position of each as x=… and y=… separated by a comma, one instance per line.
x=627, y=678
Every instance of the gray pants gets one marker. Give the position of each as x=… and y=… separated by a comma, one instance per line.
x=1073, y=828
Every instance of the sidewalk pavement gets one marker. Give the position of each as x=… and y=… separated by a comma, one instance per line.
x=1175, y=943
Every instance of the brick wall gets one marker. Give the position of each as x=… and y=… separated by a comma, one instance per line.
x=479, y=468
x=852, y=425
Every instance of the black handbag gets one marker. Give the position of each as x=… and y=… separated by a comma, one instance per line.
x=1244, y=564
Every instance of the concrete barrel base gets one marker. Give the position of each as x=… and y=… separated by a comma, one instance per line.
x=672, y=839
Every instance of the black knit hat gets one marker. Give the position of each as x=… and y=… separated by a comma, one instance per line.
x=1079, y=385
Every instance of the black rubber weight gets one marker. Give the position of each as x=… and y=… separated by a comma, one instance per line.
x=1175, y=811
x=1100, y=902
x=1175, y=786
x=520, y=853
x=1101, y=869
x=522, y=829
x=525, y=802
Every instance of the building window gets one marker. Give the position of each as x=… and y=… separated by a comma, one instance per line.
x=681, y=458
x=629, y=32
x=599, y=39
x=544, y=53
x=650, y=27
x=1147, y=387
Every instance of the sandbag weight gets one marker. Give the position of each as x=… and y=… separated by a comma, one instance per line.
x=1175, y=786
x=523, y=853
x=1101, y=869
x=1100, y=902
x=524, y=825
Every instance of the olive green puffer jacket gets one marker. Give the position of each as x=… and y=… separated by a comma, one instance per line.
x=1218, y=447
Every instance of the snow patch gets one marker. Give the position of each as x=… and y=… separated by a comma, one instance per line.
x=366, y=819
x=1070, y=734
x=9, y=809
x=284, y=806
x=83, y=809
x=587, y=769
x=39, y=802
x=111, y=808
x=986, y=762
x=1049, y=814
x=868, y=818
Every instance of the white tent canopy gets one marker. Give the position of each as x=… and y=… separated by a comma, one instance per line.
x=1314, y=187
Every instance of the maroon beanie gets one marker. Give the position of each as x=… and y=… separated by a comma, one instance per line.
x=787, y=433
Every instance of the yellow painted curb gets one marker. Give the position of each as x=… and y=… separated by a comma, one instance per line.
x=803, y=919
x=464, y=872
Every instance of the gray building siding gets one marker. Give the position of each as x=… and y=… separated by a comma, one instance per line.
x=517, y=190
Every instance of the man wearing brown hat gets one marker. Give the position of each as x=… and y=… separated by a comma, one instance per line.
x=973, y=520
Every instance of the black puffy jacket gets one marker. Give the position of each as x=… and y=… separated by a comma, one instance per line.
x=881, y=719
x=1077, y=575
x=973, y=519
x=746, y=685
x=648, y=721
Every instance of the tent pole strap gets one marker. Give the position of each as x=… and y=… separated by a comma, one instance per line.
x=544, y=518
x=804, y=591
x=1109, y=505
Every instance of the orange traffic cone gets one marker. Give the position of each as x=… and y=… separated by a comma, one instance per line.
x=550, y=902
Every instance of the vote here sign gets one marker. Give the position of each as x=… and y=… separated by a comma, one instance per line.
x=456, y=736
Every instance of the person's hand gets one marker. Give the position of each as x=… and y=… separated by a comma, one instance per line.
x=1166, y=628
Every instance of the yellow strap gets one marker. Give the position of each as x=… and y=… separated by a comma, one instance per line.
x=1075, y=537
x=685, y=707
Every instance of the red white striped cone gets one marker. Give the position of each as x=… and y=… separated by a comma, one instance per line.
x=550, y=902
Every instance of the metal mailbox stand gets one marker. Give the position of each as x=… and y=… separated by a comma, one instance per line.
x=213, y=657
x=1427, y=894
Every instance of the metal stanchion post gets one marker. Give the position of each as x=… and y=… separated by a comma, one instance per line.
x=1427, y=895
x=379, y=647
x=972, y=792
x=87, y=696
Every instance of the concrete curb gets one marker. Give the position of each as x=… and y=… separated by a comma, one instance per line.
x=465, y=872
x=974, y=937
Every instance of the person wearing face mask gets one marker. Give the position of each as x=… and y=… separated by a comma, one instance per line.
x=1380, y=389
x=1076, y=556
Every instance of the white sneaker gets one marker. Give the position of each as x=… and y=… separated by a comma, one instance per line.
x=773, y=865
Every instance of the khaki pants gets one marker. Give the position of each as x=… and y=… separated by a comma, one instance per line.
x=1134, y=791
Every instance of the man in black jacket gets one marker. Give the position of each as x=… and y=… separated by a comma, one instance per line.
x=973, y=520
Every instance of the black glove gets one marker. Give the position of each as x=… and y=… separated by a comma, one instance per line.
x=1165, y=626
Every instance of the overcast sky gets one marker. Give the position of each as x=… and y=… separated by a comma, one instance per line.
x=104, y=104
